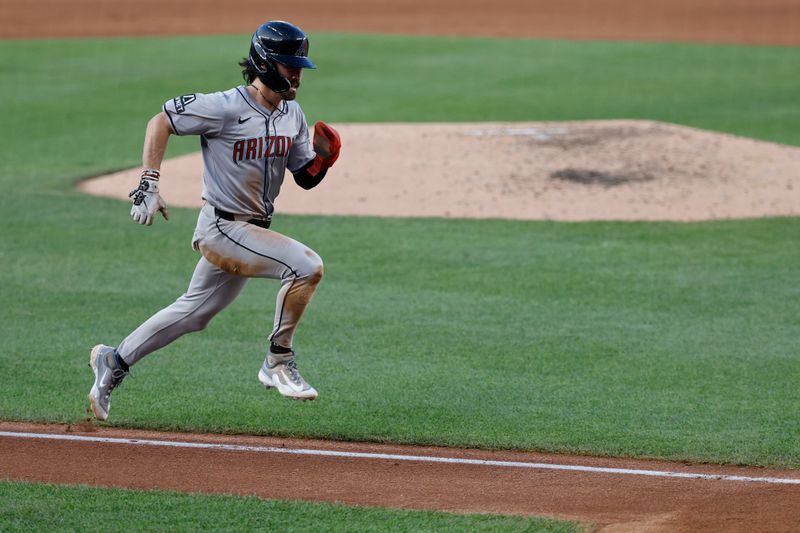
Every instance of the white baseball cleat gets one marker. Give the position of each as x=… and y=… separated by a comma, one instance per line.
x=280, y=371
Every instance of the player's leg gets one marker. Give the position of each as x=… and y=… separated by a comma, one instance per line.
x=253, y=251
x=249, y=250
x=210, y=291
x=279, y=369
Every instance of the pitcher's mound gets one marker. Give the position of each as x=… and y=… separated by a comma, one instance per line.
x=587, y=170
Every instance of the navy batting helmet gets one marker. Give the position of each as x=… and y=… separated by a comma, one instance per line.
x=277, y=41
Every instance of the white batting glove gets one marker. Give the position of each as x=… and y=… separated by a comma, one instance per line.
x=146, y=200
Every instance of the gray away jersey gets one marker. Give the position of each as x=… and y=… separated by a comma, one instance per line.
x=246, y=149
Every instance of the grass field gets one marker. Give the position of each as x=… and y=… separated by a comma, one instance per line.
x=634, y=339
x=28, y=507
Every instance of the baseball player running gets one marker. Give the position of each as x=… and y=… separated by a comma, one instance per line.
x=249, y=136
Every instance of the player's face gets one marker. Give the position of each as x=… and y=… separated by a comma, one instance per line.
x=293, y=74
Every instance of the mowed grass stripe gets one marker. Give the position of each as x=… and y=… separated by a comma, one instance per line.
x=40, y=507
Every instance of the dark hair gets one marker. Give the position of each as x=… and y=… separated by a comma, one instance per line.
x=248, y=71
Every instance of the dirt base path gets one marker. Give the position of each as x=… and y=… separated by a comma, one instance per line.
x=351, y=473
x=722, y=21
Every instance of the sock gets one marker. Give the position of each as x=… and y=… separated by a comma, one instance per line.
x=274, y=348
x=120, y=361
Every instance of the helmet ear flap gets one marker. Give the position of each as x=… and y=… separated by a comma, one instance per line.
x=273, y=80
x=259, y=59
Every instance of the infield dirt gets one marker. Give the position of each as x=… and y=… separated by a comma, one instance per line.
x=569, y=171
x=613, y=503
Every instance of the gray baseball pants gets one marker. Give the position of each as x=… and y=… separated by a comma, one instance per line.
x=233, y=252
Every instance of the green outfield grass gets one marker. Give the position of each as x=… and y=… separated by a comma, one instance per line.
x=635, y=339
x=28, y=507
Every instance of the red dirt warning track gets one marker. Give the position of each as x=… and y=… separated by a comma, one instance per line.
x=610, y=501
x=772, y=22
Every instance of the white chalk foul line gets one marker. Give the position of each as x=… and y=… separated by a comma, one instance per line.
x=397, y=457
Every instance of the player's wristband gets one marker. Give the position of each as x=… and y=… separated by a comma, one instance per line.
x=151, y=173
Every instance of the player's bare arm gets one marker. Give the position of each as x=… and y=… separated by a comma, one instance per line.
x=156, y=138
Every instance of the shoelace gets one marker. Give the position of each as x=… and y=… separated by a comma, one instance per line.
x=117, y=375
x=294, y=374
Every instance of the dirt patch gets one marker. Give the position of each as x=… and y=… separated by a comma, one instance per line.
x=723, y=21
x=611, y=501
x=571, y=171
x=597, y=177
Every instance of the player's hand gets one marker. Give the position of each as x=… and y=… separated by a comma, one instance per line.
x=327, y=143
x=146, y=200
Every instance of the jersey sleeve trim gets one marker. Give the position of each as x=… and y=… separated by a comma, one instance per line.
x=172, y=122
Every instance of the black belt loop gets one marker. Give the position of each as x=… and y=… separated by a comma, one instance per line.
x=224, y=214
x=260, y=223
x=254, y=221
